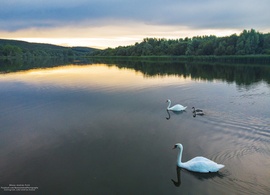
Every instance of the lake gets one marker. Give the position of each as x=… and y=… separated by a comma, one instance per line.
x=103, y=128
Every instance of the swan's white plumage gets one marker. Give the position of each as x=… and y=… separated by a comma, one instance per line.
x=197, y=164
x=176, y=107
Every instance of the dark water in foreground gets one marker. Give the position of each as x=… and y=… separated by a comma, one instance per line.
x=99, y=129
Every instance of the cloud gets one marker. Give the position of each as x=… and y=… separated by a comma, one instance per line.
x=17, y=14
x=129, y=19
x=108, y=35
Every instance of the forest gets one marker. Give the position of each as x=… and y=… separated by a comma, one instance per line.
x=22, y=49
x=249, y=42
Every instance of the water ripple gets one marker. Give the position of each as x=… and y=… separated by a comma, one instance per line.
x=238, y=125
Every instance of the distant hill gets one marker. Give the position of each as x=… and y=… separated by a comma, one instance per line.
x=14, y=48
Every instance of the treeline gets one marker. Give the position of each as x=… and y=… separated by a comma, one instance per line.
x=249, y=42
x=22, y=49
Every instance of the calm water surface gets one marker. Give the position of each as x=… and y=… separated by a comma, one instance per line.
x=104, y=129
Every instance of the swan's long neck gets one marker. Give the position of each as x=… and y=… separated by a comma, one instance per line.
x=179, y=158
x=169, y=104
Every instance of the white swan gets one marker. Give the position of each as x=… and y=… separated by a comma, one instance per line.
x=197, y=164
x=176, y=107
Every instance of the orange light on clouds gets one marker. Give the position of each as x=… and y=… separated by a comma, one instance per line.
x=119, y=34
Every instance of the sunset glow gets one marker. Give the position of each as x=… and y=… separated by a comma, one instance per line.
x=89, y=76
x=103, y=24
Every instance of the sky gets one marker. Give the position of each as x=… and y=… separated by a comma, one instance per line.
x=112, y=23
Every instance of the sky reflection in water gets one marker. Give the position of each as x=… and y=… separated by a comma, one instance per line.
x=102, y=129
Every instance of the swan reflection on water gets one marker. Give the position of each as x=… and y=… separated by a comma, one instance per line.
x=175, y=112
x=178, y=113
x=196, y=114
x=178, y=182
x=199, y=176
